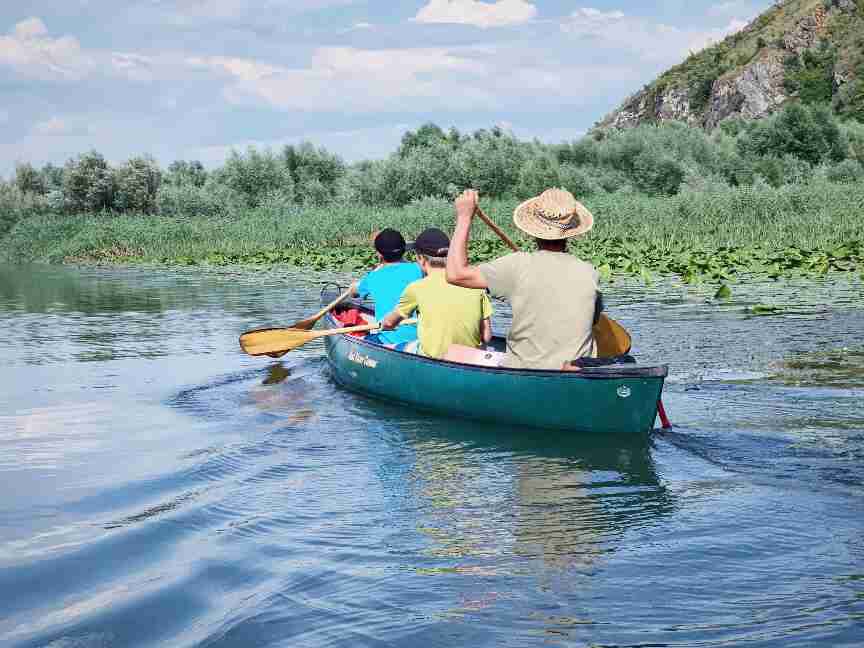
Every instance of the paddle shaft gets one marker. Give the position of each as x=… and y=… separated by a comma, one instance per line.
x=363, y=328
x=497, y=229
x=332, y=305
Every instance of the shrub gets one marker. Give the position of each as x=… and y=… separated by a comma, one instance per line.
x=845, y=171
x=52, y=178
x=490, y=163
x=16, y=204
x=88, y=184
x=136, y=183
x=809, y=133
x=188, y=200
x=811, y=76
x=315, y=172
x=657, y=173
x=254, y=175
x=28, y=179
x=578, y=180
x=539, y=173
x=182, y=172
x=426, y=136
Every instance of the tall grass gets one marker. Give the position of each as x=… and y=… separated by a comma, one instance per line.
x=819, y=215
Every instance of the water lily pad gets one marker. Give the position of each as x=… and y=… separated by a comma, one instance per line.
x=765, y=309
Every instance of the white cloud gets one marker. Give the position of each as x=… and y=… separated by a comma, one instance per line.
x=590, y=19
x=30, y=28
x=195, y=11
x=351, y=80
x=701, y=40
x=57, y=127
x=132, y=66
x=735, y=7
x=346, y=77
x=477, y=13
x=32, y=53
x=652, y=41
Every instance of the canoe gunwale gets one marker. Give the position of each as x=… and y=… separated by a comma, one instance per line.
x=613, y=372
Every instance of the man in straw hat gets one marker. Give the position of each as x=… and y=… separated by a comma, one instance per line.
x=552, y=293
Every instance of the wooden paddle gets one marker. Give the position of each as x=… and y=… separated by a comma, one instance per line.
x=612, y=338
x=269, y=341
x=308, y=323
x=303, y=325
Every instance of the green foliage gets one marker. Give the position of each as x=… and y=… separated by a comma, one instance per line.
x=538, y=174
x=254, y=175
x=315, y=173
x=846, y=171
x=211, y=200
x=428, y=135
x=88, y=184
x=136, y=184
x=703, y=70
x=16, y=204
x=794, y=145
x=489, y=162
x=29, y=180
x=182, y=172
x=809, y=133
x=810, y=77
x=719, y=234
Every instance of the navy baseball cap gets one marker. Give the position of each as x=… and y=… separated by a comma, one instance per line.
x=390, y=243
x=432, y=242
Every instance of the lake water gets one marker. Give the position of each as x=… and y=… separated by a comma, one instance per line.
x=159, y=488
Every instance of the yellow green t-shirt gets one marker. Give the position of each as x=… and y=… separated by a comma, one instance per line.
x=448, y=314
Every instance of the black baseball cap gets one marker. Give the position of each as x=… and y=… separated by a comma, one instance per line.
x=432, y=242
x=390, y=243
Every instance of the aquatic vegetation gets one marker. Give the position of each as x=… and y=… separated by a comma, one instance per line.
x=711, y=236
x=612, y=256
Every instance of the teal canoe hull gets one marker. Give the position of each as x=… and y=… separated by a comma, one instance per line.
x=619, y=399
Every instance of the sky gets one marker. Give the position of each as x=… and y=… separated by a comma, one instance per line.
x=191, y=79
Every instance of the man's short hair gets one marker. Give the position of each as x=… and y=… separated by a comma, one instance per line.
x=434, y=261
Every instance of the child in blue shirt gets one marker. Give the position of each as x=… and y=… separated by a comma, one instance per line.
x=386, y=283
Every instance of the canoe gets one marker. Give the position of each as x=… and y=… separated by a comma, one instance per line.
x=617, y=399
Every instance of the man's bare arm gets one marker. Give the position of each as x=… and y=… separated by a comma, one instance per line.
x=391, y=321
x=459, y=273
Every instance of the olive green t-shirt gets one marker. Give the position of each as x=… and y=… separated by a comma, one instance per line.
x=552, y=295
x=448, y=314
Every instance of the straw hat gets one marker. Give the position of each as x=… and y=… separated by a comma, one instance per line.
x=554, y=214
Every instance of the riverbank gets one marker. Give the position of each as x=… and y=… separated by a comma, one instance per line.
x=808, y=229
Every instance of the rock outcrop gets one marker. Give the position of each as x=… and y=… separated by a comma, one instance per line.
x=752, y=67
x=753, y=92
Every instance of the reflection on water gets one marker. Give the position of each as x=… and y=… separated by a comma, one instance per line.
x=159, y=488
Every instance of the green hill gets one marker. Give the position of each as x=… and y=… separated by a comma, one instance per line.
x=810, y=51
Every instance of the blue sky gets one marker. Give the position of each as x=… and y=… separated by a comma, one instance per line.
x=190, y=79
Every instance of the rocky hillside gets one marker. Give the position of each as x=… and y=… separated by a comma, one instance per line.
x=799, y=50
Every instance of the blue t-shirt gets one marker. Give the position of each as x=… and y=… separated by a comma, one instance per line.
x=385, y=286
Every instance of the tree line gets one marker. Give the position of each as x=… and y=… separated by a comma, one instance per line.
x=792, y=146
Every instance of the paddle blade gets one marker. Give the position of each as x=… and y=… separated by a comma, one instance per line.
x=307, y=324
x=612, y=339
x=274, y=341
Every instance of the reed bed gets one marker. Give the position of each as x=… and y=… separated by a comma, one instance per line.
x=812, y=227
